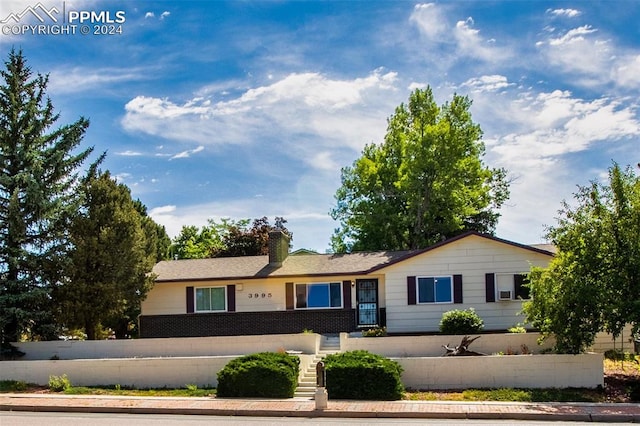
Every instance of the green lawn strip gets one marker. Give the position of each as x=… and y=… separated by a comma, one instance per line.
x=513, y=395
x=118, y=391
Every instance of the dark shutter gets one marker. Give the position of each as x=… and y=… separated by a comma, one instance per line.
x=289, y=296
x=490, y=287
x=346, y=294
x=411, y=290
x=231, y=298
x=190, y=300
x=457, y=289
x=521, y=291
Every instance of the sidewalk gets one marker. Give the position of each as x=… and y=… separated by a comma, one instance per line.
x=303, y=407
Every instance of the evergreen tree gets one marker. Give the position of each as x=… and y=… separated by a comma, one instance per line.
x=38, y=178
x=108, y=275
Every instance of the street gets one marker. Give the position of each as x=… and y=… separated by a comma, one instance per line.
x=13, y=418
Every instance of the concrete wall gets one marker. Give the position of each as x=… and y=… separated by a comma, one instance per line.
x=177, y=347
x=517, y=371
x=524, y=371
x=423, y=346
x=138, y=372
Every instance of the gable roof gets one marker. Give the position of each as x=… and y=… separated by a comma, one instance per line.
x=251, y=267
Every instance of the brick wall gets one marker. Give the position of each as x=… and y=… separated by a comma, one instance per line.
x=247, y=323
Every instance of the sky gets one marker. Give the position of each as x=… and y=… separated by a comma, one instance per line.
x=245, y=109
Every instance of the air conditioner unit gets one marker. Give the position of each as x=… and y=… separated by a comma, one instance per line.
x=504, y=295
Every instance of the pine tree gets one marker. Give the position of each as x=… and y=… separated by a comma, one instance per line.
x=108, y=275
x=38, y=178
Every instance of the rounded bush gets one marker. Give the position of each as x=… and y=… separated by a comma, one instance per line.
x=363, y=375
x=265, y=374
x=461, y=322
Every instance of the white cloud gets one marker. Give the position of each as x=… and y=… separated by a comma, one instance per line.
x=165, y=14
x=430, y=20
x=312, y=107
x=570, y=13
x=596, y=59
x=129, y=153
x=434, y=24
x=187, y=153
x=488, y=83
x=149, y=15
x=84, y=79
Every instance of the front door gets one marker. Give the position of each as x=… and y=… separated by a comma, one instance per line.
x=367, y=297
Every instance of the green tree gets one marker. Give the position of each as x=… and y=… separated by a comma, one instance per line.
x=424, y=183
x=110, y=262
x=158, y=242
x=239, y=240
x=593, y=283
x=227, y=238
x=38, y=179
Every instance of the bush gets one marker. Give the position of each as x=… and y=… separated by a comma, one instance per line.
x=265, y=374
x=363, y=375
x=375, y=332
x=59, y=383
x=461, y=322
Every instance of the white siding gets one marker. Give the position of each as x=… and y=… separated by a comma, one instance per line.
x=472, y=257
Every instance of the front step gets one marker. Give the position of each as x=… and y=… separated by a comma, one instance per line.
x=307, y=384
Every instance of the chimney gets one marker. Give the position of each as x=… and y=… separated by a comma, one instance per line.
x=278, y=248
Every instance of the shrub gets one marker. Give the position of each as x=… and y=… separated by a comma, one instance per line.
x=59, y=383
x=461, y=322
x=363, y=375
x=518, y=328
x=265, y=374
x=375, y=332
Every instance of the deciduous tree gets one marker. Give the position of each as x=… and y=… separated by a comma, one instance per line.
x=593, y=283
x=424, y=183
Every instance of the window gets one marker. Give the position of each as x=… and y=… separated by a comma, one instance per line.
x=511, y=287
x=435, y=289
x=211, y=299
x=318, y=295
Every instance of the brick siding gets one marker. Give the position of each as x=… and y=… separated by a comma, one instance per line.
x=248, y=323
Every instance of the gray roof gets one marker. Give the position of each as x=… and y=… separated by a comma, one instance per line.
x=247, y=267
x=258, y=266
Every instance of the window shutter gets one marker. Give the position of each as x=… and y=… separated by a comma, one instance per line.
x=346, y=294
x=231, y=298
x=490, y=287
x=190, y=307
x=457, y=289
x=411, y=290
x=289, y=296
x=519, y=290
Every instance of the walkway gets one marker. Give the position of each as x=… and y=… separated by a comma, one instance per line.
x=304, y=407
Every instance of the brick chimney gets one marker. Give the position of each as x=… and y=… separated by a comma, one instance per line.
x=278, y=248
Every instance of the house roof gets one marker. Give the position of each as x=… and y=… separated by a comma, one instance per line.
x=248, y=267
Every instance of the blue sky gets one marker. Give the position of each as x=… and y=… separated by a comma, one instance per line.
x=244, y=109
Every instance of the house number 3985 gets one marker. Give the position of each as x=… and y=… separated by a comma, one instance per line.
x=259, y=296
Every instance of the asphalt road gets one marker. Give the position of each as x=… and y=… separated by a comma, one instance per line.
x=13, y=418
